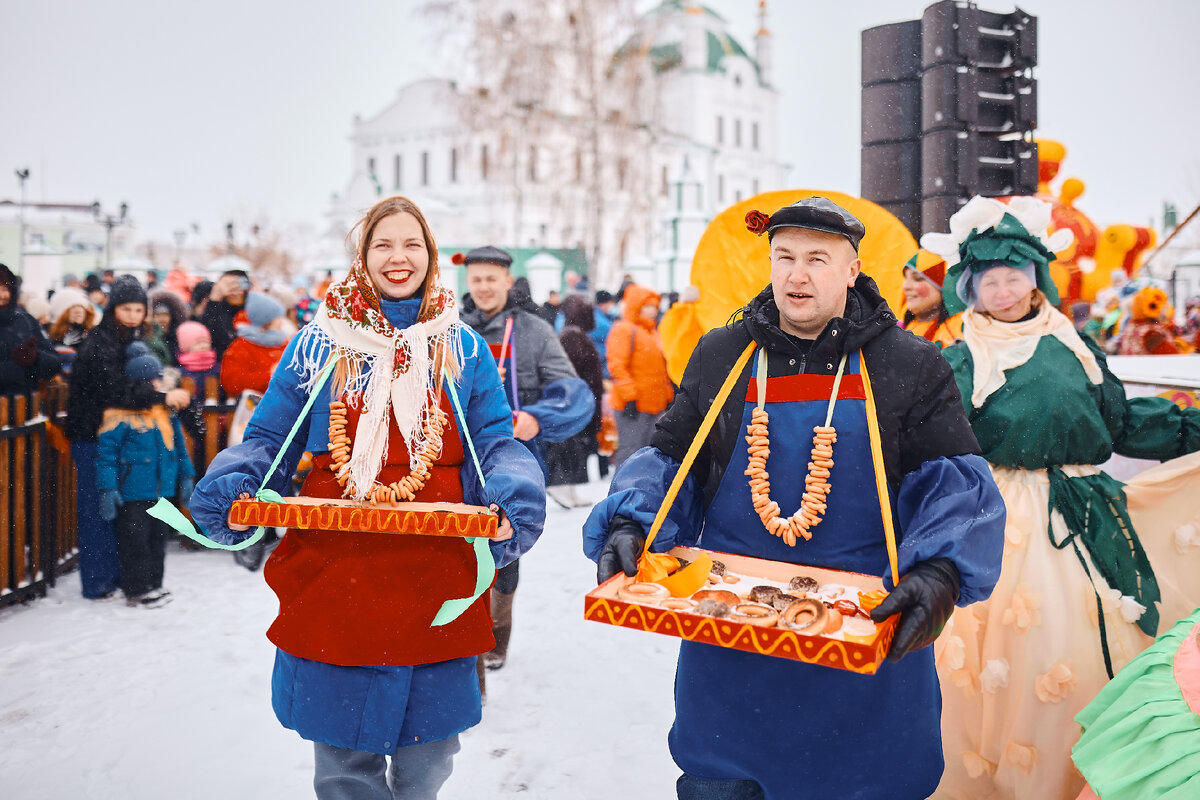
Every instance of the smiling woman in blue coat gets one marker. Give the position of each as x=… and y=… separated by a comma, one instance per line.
x=413, y=399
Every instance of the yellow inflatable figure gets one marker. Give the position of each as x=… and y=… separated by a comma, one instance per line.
x=732, y=265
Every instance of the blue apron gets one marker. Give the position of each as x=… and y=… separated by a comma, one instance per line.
x=802, y=730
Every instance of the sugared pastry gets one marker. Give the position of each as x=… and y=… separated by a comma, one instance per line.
x=721, y=595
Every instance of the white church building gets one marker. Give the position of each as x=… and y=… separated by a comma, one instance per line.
x=627, y=190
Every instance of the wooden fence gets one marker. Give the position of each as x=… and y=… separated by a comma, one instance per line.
x=38, y=531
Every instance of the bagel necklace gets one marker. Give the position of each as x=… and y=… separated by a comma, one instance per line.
x=403, y=490
x=816, y=482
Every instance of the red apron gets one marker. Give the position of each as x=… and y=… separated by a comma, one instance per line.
x=366, y=599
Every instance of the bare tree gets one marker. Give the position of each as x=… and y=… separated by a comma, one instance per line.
x=563, y=92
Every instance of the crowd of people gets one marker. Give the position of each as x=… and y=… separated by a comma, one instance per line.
x=1029, y=577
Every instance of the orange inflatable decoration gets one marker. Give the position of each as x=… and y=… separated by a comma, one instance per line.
x=1087, y=265
x=731, y=264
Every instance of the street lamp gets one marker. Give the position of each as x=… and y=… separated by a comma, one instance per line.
x=22, y=176
x=109, y=222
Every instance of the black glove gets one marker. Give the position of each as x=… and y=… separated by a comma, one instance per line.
x=26, y=353
x=621, y=549
x=630, y=410
x=925, y=599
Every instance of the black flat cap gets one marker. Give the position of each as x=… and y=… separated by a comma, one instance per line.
x=488, y=255
x=818, y=214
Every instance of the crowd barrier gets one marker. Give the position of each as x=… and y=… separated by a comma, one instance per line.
x=38, y=531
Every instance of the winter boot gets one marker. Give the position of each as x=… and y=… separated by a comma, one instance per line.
x=502, y=606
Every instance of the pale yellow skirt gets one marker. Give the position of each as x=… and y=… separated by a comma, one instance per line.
x=1016, y=668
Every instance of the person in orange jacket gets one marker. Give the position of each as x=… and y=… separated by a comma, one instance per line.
x=641, y=388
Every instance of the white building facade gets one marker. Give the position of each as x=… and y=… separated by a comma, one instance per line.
x=632, y=184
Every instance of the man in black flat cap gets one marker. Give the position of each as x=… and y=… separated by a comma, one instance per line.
x=548, y=398
x=750, y=725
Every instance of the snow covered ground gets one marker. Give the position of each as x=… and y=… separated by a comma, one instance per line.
x=100, y=701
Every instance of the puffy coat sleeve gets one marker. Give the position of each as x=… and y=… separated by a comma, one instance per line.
x=1144, y=427
x=512, y=478
x=564, y=409
x=636, y=492
x=241, y=468
x=947, y=504
x=950, y=507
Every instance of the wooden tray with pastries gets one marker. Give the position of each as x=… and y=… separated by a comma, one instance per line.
x=330, y=514
x=773, y=608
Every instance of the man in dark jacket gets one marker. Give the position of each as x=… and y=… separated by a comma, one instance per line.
x=549, y=400
x=26, y=356
x=741, y=718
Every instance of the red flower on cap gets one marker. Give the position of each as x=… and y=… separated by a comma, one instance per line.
x=756, y=222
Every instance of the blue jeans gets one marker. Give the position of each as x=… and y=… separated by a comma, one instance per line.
x=99, y=564
x=689, y=787
x=417, y=772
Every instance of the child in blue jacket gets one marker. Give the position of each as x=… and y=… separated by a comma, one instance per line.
x=141, y=456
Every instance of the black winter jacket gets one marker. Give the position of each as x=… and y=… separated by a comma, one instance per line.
x=920, y=413
x=17, y=329
x=98, y=379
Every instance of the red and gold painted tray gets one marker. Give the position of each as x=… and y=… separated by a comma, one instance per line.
x=315, y=513
x=603, y=605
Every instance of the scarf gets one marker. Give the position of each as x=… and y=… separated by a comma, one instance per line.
x=198, y=362
x=386, y=367
x=262, y=337
x=998, y=346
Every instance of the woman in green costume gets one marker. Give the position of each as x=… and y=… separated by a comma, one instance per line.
x=1077, y=597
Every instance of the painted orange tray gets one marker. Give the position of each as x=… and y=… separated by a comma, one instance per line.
x=602, y=605
x=316, y=513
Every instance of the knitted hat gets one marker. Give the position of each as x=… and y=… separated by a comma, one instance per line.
x=126, y=289
x=262, y=309
x=604, y=296
x=68, y=298
x=189, y=333
x=143, y=368
x=987, y=233
x=136, y=349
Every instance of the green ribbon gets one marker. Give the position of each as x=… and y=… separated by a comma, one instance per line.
x=166, y=511
x=485, y=563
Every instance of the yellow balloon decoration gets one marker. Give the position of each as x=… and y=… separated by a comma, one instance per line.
x=732, y=265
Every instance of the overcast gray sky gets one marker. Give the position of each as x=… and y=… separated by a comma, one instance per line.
x=239, y=108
